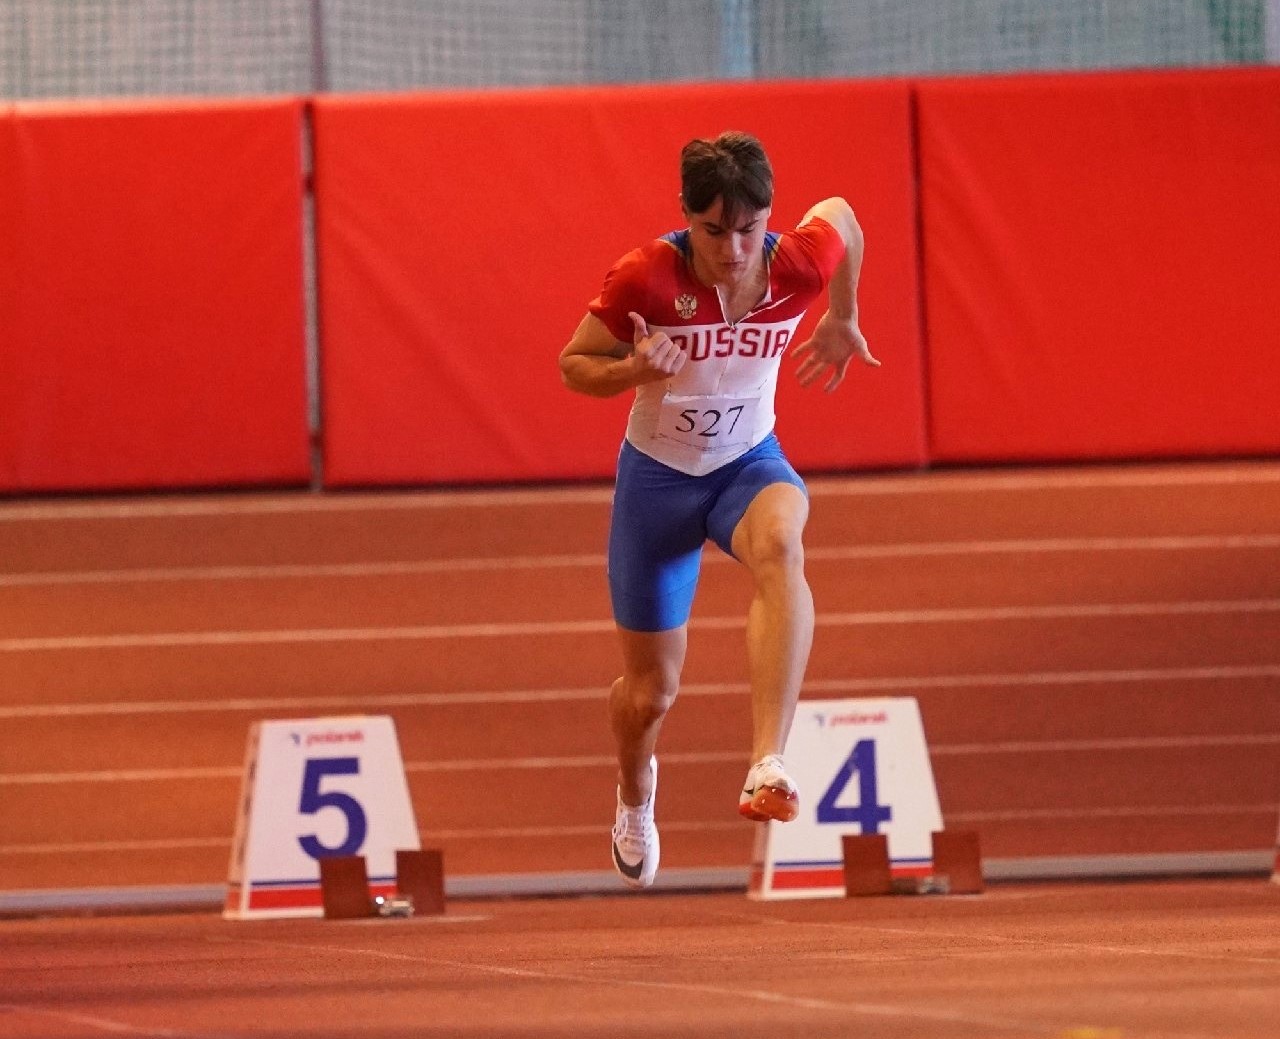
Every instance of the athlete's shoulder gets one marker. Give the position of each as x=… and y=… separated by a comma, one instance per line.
x=658, y=254
x=813, y=248
x=814, y=233
x=636, y=279
x=654, y=259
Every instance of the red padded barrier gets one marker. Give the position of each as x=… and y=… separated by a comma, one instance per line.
x=461, y=236
x=1101, y=258
x=9, y=416
x=155, y=331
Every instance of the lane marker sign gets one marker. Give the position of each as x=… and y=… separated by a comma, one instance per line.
x=313, y=788
x=862, y=767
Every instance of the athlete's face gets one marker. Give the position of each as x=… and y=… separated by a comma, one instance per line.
x=727, y=252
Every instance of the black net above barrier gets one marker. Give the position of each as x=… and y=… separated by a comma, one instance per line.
x=102, y=48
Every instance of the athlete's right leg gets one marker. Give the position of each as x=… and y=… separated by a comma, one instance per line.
x=656, y=535
x=640, y=699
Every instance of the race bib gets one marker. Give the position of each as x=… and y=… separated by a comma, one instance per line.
x=708, y=422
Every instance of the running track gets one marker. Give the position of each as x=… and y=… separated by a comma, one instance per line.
x=1096, y=653
x=1188, y=959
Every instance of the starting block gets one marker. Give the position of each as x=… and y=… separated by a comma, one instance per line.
x=420, y=877
x=957, y=859
x=344, y=887
x=957, y=866
x=345, y=894
x=866, y=865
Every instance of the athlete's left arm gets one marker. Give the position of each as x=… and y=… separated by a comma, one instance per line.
x=837, y=338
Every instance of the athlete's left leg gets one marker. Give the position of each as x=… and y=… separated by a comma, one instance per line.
x=768, y=540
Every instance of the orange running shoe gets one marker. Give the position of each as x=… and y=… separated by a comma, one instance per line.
x=769, y=793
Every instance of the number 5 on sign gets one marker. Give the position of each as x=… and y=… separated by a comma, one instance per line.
x=314, y=788
x=862, y=767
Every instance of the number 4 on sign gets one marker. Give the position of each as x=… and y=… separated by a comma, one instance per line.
x=868, y=813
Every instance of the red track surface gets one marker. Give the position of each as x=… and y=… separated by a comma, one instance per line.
x=1096, y=652
x=1185, y=960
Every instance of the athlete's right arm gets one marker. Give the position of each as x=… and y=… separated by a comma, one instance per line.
x=599, y=365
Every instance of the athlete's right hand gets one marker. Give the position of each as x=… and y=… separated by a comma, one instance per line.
x=655, y=356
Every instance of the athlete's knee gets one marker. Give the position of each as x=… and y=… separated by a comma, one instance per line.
x=770, y=534
x=775, y=543
x=650, y=692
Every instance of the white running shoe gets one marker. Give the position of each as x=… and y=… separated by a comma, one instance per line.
x=769, y=793
x=635, y=838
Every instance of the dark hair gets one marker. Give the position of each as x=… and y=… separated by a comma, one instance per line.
x=733, y=167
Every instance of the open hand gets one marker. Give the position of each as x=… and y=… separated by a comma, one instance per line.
x=829, y=350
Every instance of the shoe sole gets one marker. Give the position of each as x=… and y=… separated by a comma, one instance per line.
x=636, y=876
x=771, y=803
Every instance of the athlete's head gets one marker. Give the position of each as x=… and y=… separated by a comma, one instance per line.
x=726, y=188
x=733, y=168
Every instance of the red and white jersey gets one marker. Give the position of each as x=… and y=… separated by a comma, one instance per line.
x=720, y=404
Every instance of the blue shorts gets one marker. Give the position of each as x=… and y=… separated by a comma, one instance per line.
x=661, y=519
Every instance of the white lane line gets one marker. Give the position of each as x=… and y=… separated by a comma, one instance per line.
x=1104, y=676
x=596, y=627
x=703, y=826
x=951, y=481
x=303, y=635
x=120, y=775
x=304, y=502
x=836, y=553
x=1149, y=812
x=113, y=847
x=356, y=704
x=449, y=765
x=735, y=994
x=587, y=830
x=101, y=1024
x=709, y=757
x=287, y=571
x=1120, y=743
x=592, y=830
x=1262, y=472
x=453, y=765
x=489, y=833
x=361, y=703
